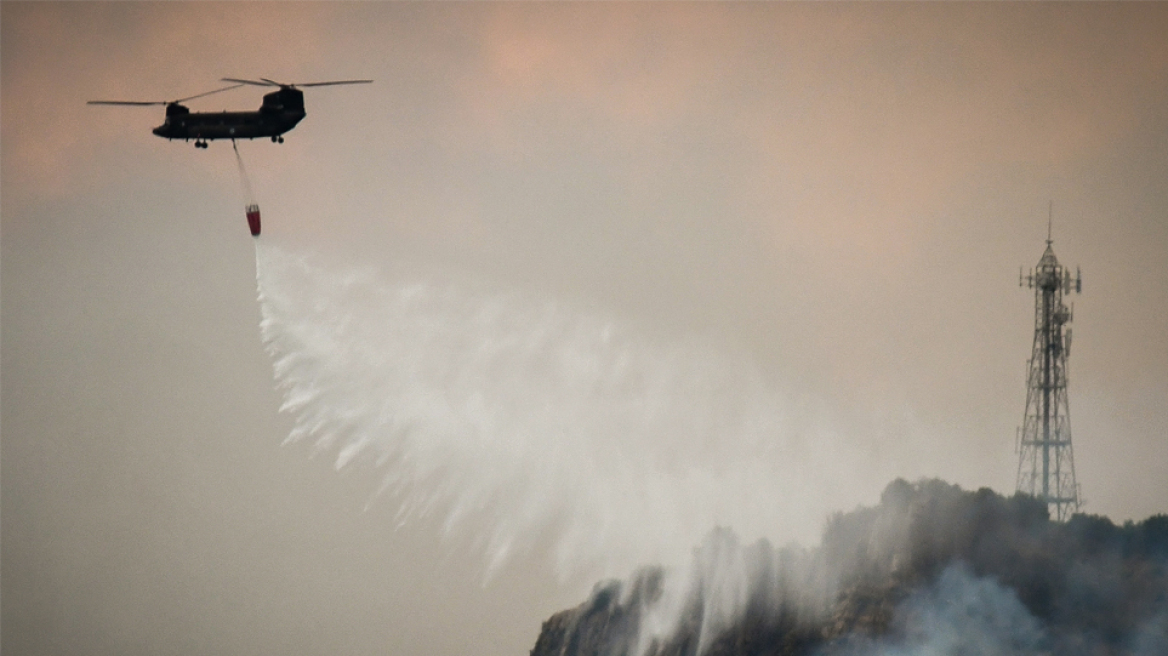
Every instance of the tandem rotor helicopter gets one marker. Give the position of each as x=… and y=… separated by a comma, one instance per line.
x=280, y=112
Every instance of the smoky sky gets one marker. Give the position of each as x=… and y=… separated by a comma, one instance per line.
x=839, y=194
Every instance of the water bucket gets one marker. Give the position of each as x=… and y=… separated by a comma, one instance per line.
x=253, y=219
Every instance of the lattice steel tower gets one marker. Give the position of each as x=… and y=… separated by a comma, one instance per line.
x=1046, y=463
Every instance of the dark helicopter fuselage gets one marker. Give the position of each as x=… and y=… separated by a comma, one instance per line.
x=279, y=113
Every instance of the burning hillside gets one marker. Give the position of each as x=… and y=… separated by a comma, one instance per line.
x=931, y=569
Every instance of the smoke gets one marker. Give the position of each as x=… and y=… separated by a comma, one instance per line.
x=960, y=614
x=1152, y=637
x=930, y=570
x=518, y=420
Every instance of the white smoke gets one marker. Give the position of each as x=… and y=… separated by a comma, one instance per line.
x=519, y=420
x=960, y=615
x=1152, y=636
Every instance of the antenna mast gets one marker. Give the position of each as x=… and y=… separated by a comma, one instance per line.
x=1046, y=463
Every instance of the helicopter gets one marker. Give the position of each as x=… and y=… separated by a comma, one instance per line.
x=280, y=112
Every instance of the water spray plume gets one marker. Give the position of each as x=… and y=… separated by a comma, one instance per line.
x=533, y=422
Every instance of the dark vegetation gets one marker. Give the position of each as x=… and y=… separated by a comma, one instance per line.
x=1085, y=586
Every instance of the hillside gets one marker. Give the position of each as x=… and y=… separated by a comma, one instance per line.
x=931, y=569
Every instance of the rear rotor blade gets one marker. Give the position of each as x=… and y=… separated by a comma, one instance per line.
x=251, y=82
x=326, y=84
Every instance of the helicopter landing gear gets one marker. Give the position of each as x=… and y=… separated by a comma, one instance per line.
x=200, y=144
x=277, y=139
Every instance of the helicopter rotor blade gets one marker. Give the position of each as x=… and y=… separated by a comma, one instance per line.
x=326, y=84
x=234, y=86
x=140, y=103
x=265, y=82
x=251, y=82
x=125, y=102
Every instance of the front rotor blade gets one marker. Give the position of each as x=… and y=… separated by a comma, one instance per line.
x=234, y=86
x=326, y=84
x=251, y=82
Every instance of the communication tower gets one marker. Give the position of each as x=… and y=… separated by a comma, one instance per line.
x=1046, y=463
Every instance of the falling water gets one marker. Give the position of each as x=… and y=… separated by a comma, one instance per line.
x=516, y=419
